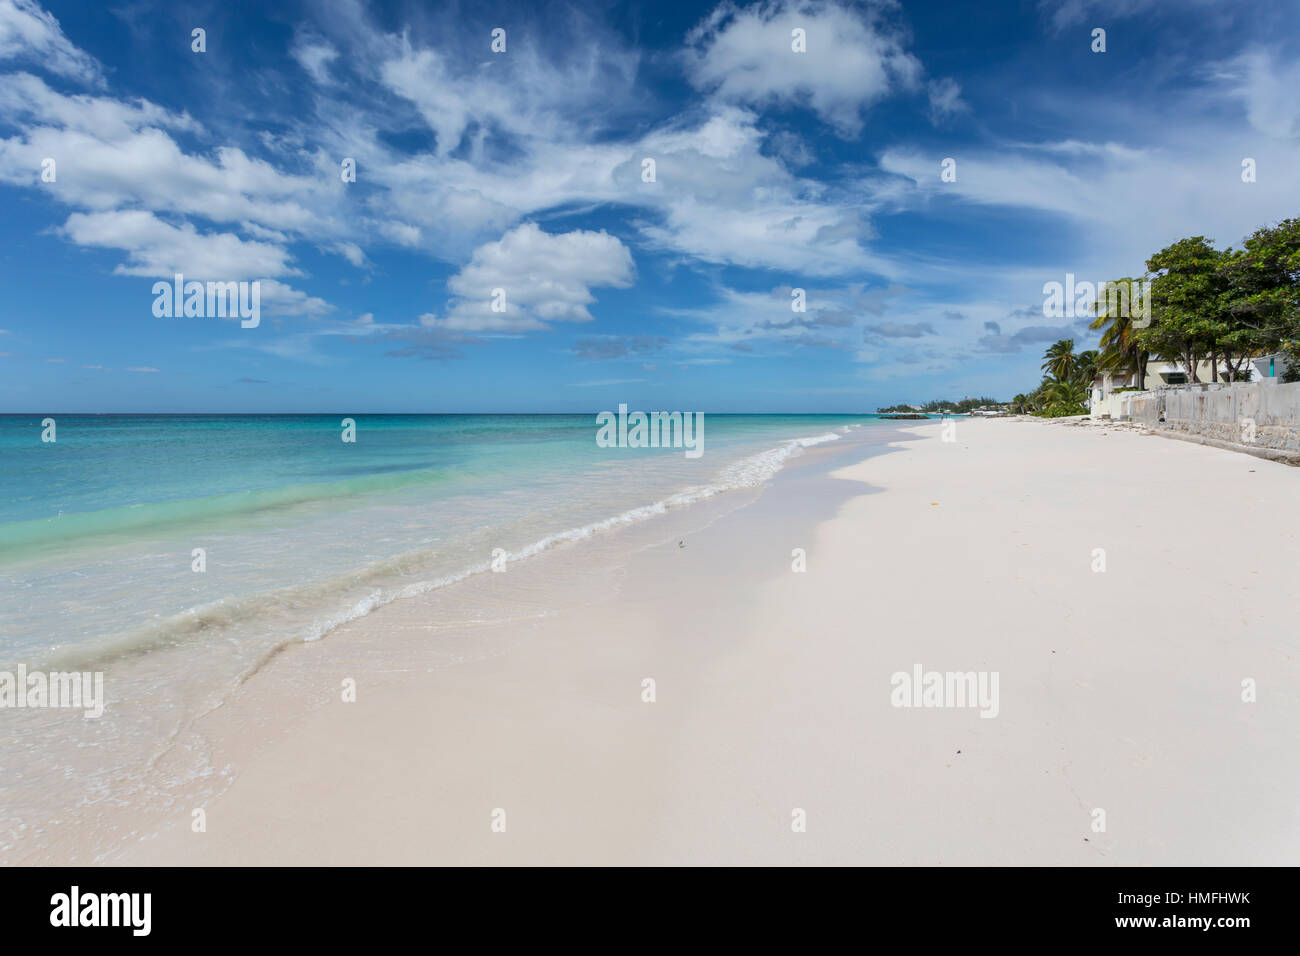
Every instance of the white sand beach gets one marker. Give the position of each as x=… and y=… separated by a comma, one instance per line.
x=1119, y=690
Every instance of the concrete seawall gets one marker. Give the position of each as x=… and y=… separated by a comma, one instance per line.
x=1264, y=415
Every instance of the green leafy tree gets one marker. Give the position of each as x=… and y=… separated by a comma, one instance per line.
x=1188, y=303
x=940, y=406
x=1263, y=291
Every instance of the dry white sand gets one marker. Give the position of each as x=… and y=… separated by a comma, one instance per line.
x=1119, y=691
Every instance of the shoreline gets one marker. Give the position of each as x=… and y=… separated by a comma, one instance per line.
x=636, y=604
x=773, y=686
x=185, y=771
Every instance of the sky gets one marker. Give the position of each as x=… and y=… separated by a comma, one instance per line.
x=504, y=246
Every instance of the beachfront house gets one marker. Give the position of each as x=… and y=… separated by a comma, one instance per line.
x=1162, y=373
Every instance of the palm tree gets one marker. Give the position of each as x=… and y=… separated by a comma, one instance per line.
x=1120, y=351
x=1066, y=397
x=1038, y=397
x=1086, y=366
x=1059, y=360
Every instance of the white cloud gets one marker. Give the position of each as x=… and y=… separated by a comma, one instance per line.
x=524, y=95
x=719, y=199
x=28, y=100
x=546, y=278
x=404, y=234
x=765, y=322
x=159, y=250
x=1187, y=184
x=314, y=56
x=724, y=202
x=520, y=136
x=945, y=99
x=853, y=59
x=33, y=35
x=1268, y=88
x=115, y=157
x=1065, y=13
x=280, y=299
x=351, y=252
x=111, y=154
x=994, y=177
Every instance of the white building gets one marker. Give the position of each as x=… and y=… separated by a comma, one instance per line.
x=1160, y=373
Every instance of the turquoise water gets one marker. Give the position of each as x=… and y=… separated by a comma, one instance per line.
x=99, y=528
x=107, y=474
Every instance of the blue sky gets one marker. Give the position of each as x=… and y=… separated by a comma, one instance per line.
x=522, y=170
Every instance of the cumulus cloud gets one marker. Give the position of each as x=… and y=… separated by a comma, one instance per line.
x=507, y=143
x=545, y=278
x=854, y=58
x=112, y=154
x=281, y=299
x=489, y=143
x=158, y=249
x=731, y=204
